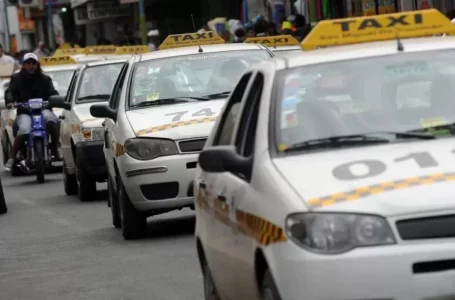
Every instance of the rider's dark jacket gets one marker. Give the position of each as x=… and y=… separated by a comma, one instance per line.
x=24, y=86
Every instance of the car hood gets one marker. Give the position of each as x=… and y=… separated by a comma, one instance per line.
x=176, y=121
x=82, y=112
x=395, y=179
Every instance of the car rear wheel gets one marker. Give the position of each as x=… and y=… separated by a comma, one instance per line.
x=134, y=224
x=269, y=291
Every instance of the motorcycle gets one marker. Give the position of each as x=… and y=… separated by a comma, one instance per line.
x=36, y=154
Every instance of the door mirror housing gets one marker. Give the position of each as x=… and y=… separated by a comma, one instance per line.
x=103, y=111
x=59, y=101
x=220, y=159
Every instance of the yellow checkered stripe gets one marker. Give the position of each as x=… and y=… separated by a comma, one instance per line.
x=263, y=231
x=118, y=149
x=175, y=124
x=366, y=191
x=221, y=210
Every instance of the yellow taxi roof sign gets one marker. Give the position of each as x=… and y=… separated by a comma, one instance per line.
x=132, y=49
x=56, y=60
x=409, y=24
x=273, y=41
x=108, y=49
x=191, y=39
x=70, y=51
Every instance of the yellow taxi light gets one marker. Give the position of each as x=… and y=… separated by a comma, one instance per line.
x=273, y=41
x=356, y=30
x=108, y=49
x=191, y=39
x=70, y=51
x=56, y=60
x=132, y=50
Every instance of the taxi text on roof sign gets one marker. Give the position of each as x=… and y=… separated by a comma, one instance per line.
x=56, y=60
x=71, y=51
x=109, y=49
x=273, y=41
x=132, y=50
x=378, y=28
x=191, y=39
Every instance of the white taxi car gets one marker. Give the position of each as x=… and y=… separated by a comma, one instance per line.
x=60, y=69
x=161, y=111
x=280, y=45
x=82, y=135
x=330, y=175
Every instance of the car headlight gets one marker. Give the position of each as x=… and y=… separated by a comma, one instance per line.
x=147, y=148
x=334, y=233
x=93, y=134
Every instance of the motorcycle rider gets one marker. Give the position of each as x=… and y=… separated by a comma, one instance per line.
x=28, y=84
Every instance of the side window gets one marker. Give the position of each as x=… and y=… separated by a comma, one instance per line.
x=246, y=133
x=230, y=116
x=72, y=86
x=117, y=90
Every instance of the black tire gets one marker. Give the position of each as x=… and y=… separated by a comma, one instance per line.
x=69, y=182
x=134, y=224
x=210, y=292
x=86, y=184
x=3, y=208
x=113, y=200
x=268, y=290
x=40, y=164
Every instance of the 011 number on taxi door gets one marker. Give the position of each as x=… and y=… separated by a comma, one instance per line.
x=374, y=167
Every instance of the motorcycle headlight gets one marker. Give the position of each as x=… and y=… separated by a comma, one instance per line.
x=334, y=233
x=93, y=134
x=147, y=149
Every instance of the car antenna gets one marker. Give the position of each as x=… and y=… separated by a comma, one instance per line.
x=194, y=27
x=400, y=46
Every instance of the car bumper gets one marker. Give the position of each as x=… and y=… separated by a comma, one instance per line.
x=92, y=158
x=164, y=183
x=387, y=272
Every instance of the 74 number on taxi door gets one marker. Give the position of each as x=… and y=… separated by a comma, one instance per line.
x=206, y=112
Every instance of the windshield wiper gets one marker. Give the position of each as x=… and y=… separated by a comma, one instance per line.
x=218, y=95
x=355, y=139
x=160, y=102
x=98, y=96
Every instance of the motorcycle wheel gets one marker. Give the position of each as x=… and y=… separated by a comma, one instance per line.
x=39, y=161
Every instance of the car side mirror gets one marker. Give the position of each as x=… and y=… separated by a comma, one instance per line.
x=59, y=101
x=220, y=159
x=103, y=111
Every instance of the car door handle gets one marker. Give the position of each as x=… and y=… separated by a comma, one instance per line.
x=61, y=117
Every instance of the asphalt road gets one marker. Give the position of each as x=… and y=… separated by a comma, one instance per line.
x=54, y=247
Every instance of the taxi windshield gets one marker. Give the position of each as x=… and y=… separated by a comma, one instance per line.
x=97, y=82
x=61, y=79
x=400, y=93
x=195, y=75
